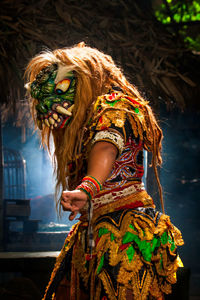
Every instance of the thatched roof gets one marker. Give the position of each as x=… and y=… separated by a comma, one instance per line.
x=152, y=57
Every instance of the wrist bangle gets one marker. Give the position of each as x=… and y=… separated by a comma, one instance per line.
x=94, y=181
x=85, y=191
x=90, y=185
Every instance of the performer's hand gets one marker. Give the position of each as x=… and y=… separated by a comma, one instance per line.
x=101, y=159
x=73, y=201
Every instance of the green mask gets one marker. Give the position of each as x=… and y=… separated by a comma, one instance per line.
x=55, y=101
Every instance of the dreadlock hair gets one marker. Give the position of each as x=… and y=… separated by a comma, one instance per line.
x=96, y=73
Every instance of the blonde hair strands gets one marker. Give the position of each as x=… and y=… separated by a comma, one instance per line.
x=96, y=73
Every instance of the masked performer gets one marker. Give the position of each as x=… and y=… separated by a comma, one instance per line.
x=121, y=247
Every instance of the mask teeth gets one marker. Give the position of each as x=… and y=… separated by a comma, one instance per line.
x=54, y=119
x=47, y=122
x=51, y=120
x=55, y=116
x=62, y=110
x=71, y=108
x=65, y=104
x=68, y=107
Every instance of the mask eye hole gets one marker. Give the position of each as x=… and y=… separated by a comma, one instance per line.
x=62, y=86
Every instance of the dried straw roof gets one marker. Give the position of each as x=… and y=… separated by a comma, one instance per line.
x=153, y=58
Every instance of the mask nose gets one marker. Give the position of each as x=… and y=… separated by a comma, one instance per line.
x=44, y=106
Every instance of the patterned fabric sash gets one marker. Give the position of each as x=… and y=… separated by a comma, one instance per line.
x=126, y=197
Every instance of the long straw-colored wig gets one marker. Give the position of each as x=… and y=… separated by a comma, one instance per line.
x=96, y=73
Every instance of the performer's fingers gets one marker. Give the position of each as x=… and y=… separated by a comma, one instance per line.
x=73, y=215
x=66, y=200
x=65, y=195
x=66, y=205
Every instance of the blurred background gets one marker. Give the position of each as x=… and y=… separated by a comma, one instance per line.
x=157, y=44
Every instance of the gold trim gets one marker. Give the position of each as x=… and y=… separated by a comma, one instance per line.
x=112, y=206
x=69, y=241
x=107, y=286
x=117, y=113
x=128, y=276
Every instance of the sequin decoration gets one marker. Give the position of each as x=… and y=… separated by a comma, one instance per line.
x=127, y=167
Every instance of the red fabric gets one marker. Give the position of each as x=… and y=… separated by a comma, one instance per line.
x=112, y=96
x=89, y=256
x=124, y=246
x=131, y=205
x=97, y=240
x=133, y=101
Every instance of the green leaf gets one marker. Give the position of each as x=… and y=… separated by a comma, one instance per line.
x=181, y=12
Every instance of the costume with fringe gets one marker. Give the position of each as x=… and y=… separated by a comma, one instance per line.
x=135, y=245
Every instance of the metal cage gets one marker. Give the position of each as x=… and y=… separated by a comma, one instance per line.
x=14, y=174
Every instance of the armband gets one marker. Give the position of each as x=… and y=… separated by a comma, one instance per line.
x=110, y=136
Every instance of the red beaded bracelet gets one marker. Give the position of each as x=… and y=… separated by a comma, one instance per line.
x=90, y=185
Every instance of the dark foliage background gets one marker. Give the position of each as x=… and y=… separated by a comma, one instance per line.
x=153, y=55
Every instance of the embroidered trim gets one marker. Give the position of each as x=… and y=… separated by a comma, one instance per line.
x=69, y=241
x=107, y=285
x=138, y=199
x=110, y=197
x=139, y=244
x=127, y=241
x=115, y=109
x=110, y=136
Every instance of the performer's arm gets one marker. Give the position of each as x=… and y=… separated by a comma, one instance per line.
x=101, y=160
